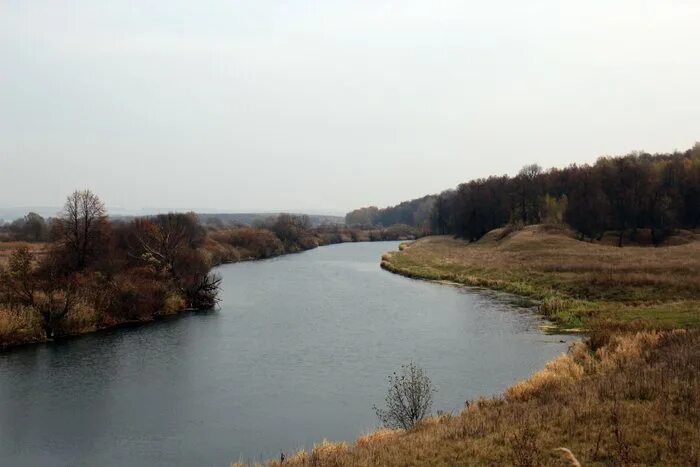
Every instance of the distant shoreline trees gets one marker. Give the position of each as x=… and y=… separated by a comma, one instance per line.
x=659, y=192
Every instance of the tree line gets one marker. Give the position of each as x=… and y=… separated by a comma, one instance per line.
x=81, y=270
x=415, y=213
x=658, y=192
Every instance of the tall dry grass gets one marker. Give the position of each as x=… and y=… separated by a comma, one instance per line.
x=19, y=325
x=7, y=248
x=635, y=400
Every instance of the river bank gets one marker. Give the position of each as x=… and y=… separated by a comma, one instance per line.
x=577, y=284
x=629, y=394
x=21, y=325
x=299, y=350
x=632, y=400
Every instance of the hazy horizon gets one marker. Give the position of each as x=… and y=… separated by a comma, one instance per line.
x=326, y=107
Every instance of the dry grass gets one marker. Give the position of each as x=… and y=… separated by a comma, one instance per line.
x=636, y=400
x=577, y=282
x=629, y=395
x=561, y=371
x=19, y=326
x=6, y=249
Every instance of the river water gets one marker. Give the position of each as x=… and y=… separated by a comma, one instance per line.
x=299, y=350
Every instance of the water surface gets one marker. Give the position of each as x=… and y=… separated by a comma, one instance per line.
x=299, y=351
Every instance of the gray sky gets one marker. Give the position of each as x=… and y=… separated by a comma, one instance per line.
x=330, y=105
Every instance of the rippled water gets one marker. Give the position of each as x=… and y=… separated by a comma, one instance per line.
x=299, y=351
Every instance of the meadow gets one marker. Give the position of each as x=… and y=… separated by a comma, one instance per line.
x=576, y=283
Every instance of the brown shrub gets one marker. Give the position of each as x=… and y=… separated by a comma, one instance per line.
x=19, y=325
x=250, y=242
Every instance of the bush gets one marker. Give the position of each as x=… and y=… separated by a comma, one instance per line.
x=408, y=399
x=251, y=243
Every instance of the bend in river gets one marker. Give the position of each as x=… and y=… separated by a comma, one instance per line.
x=299, y=351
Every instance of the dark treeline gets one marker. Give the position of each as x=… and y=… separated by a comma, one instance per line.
x=30, y=228
x=415, y=213
x=660, y=192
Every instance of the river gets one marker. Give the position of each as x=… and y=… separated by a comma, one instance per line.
x=299, y=350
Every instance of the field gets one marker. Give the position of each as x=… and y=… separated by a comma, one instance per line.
x=6, y=249
x=577, y=283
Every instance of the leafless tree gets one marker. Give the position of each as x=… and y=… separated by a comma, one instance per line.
x=81, y=227
x=162, y=240
x=169, y=243
x=408, y=399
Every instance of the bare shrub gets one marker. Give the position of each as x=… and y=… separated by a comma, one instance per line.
x=408, y=399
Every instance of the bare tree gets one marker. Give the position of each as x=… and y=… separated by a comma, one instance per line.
x=408, y=399
x=169, y=243
x=163, y=239
x=81, y=227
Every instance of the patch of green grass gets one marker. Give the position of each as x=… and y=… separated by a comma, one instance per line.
x=575, y=283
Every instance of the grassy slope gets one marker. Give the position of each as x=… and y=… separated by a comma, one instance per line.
x=577, y=282
x=634, y=401
x=626, y=396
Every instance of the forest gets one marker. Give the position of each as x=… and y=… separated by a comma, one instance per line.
x=658, y=192
x=416, y=213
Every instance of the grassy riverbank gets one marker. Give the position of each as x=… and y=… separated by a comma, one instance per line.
x=577, y=283
x=629, y=394
x=630, y=399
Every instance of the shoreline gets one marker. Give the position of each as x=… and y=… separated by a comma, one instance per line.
x=571, y=402
x=4, y=348
x=548, y=327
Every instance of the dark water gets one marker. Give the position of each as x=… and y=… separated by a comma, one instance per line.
x=299, y=351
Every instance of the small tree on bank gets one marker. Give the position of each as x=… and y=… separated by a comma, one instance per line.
x=408, y=399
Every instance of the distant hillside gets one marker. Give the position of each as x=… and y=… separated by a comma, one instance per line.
x=251, y=217
x=10, y=214
x=248, y=218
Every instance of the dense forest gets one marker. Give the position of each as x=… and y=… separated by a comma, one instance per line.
x=658, y=192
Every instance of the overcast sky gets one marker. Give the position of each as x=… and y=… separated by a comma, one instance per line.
x=330, y=105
